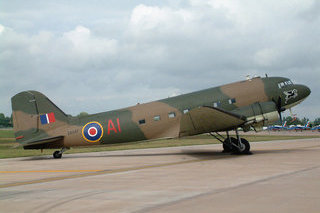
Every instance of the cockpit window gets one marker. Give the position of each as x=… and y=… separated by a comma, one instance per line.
x=284, y=83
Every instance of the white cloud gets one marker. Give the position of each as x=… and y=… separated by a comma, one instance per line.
x=78, y=36
x=266, y=57
x=85, y=43
x=148, y=18
x=1, y=29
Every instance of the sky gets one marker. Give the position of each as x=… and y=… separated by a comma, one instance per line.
x=96, y=56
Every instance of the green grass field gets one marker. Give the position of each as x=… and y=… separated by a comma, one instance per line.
x=6, y=133
x=10, y=149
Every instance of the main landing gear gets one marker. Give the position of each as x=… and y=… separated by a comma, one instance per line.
x=58, y=154
x=233, y=145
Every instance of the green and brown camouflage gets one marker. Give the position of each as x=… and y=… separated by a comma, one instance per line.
x=251, y=103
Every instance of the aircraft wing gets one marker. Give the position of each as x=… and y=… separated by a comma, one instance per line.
x=209, y=119
x=44, y=143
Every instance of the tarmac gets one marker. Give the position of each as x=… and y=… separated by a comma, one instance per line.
x=279, y=176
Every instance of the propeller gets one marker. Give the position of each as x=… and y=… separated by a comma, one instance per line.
x=280, y=109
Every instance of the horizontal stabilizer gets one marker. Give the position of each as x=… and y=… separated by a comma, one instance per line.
x=209, y=119
x=44, y=143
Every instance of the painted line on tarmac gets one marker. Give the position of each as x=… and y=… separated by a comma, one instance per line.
x=102, y=172
x=46, y=171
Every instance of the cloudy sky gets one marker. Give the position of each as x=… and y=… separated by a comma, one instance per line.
x=96, y=56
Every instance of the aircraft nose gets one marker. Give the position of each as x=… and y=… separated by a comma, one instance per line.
x=304, y=91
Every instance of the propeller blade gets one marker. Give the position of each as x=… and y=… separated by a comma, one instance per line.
x=279, y=104
x=280, y=115
x=279, y=107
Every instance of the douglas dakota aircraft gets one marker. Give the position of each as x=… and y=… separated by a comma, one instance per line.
x=253, y=103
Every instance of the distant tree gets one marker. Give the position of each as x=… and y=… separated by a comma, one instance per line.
x=292, y=121
x=316, y=122
x=5, y=121
x=9, y=121
x=304, y=121
x=288, y=119
x=82, y=114
x=2, y=120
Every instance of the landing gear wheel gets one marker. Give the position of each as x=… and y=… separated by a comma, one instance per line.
x=57, y=154
x=227, y=146
x=244, y=147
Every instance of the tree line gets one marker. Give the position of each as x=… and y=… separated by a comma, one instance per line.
x=6, y=122
x=297, y=121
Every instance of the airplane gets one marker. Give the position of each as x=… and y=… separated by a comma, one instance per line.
x=300, y=127
x=316, y=128
x=252, y=103
x=277, y=127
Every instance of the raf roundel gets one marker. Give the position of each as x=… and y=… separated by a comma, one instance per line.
x=92, y=132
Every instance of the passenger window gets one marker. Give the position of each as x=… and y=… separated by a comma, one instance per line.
x=217, y=104
x=172, y=115
x=232, y=101
x=156, y=118
x=143, y=121
x=282, y=84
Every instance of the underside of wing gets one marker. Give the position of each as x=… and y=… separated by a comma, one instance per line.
x=209, y=119
x=45, y=143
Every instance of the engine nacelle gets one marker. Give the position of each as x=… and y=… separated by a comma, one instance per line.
x=259, y=115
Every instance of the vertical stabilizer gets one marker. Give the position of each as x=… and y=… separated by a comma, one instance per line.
x=35, y=116
x=284, y=124
x=307, y=125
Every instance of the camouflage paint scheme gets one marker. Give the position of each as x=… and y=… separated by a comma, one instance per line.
x=250, y=103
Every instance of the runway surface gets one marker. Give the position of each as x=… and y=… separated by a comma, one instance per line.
x=279, y=176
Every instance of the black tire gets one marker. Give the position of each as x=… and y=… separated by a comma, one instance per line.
x=246, y=147
x=57, y=154
x=227, y=146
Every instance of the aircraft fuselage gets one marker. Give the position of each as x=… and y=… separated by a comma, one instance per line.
x=253, y=103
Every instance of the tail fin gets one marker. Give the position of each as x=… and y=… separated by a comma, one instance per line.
x=284, y=124
x=308, y=124
x=35, y=116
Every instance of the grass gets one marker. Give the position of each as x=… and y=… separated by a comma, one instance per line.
x=10, y=149
x=6, y=133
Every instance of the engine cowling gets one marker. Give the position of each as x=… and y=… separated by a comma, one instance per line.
x=258, y=115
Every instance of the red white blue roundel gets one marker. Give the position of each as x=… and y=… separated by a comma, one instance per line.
x=92, y=132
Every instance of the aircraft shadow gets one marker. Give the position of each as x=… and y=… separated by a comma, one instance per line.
x=199, y=154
